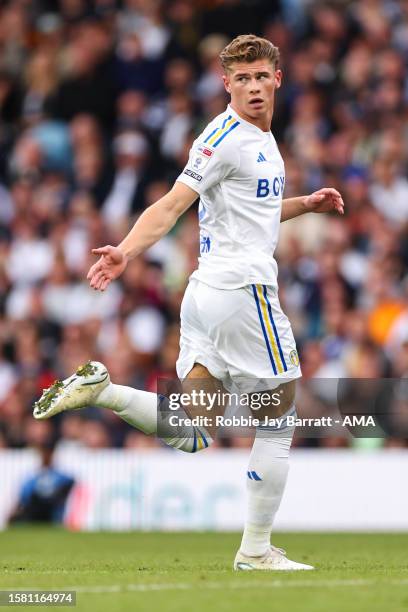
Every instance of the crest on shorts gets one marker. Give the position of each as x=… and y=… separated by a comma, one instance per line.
x=294, y=357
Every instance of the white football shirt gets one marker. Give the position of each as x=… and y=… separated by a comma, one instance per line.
x=237, y=170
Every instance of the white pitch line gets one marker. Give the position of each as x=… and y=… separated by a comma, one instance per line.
x=184, y=586
x=181, y=586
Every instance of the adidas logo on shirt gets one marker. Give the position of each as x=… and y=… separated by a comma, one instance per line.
x=261, y=158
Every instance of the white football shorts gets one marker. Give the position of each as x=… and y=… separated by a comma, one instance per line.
x=240, y=335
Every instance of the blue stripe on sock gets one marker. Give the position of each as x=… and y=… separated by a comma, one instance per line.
x=162, y=399
x=249, y=475
x=203, y=437
x=255, y=476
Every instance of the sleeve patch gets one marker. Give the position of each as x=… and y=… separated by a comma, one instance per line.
x=194, y=175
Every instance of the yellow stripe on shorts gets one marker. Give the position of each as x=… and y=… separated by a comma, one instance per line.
x=271, y=335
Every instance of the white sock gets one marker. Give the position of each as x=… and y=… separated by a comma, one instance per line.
x=266, y=479
x=140, y=409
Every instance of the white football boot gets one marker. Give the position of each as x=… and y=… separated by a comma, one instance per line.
x=274, y=559
x=77, y=391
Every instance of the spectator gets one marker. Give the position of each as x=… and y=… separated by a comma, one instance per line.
x=43, y=497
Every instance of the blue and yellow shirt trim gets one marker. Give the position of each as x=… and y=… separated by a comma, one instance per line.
x=218, y=135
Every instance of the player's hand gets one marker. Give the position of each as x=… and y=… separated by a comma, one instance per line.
x=109, y=266
x=325, y=200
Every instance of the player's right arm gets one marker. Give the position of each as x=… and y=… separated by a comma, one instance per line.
x=155, y=222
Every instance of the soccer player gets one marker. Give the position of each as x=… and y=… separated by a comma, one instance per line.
x=232, y=325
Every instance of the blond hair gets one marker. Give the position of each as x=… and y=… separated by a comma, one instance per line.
x=248, y=48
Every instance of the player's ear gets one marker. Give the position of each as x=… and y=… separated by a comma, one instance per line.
x=278, y=78
x=226, y=81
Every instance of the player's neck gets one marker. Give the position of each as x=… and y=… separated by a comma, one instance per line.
x=263, y=123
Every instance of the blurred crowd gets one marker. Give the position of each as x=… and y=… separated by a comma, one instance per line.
x=99, y=104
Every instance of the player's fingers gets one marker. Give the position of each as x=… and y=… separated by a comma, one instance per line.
x=330, y=191
x=93, y=270
x=94, y=274
x=339, y=204
x=100, y=282
x=99, y=276
x=102, y=265
x=105, y=284
x=103, y=281
x=105, y=250
x=96, y=286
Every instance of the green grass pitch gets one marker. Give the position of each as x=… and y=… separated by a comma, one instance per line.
x=192, y=571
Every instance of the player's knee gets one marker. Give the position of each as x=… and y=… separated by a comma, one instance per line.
x=281, y=428
x=287, y=392
x=199, y=371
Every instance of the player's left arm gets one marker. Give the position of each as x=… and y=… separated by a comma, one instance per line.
x=321, y=201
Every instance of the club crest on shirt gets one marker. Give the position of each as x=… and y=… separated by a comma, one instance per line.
x=294, y=358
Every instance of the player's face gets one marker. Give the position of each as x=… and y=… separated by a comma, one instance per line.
x=252, y=87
